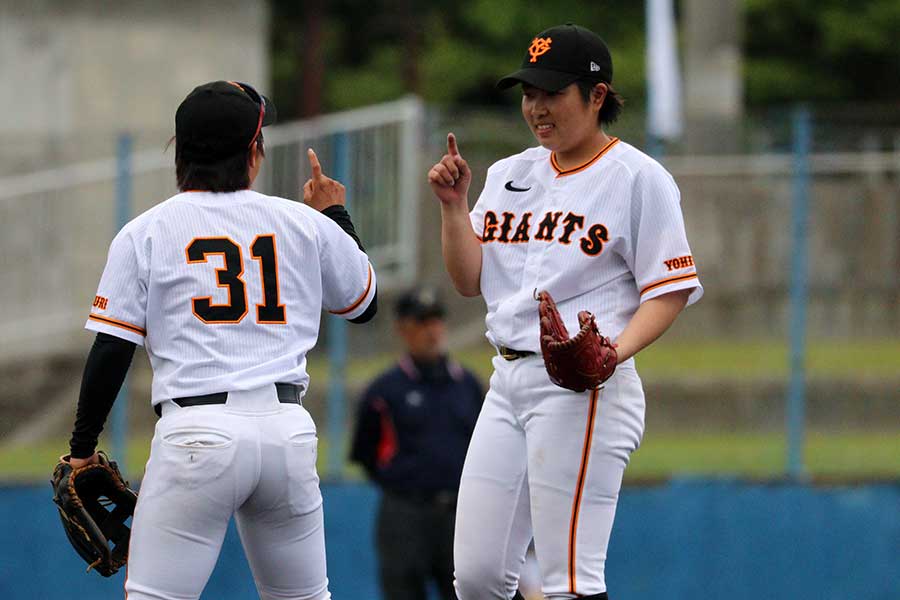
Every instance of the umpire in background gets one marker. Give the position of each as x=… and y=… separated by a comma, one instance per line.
x=413, y=429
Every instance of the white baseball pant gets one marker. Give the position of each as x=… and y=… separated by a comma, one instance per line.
x=254, y=458
x=544, y=462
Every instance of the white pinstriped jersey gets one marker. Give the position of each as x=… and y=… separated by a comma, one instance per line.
x=225, y=290
x=603, y=237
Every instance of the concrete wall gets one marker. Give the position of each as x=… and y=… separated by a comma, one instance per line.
x=713, y=79
x=741, y=237
x=73, y=76
x=74, y=73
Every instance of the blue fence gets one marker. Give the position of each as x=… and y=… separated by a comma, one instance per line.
x=685, y=539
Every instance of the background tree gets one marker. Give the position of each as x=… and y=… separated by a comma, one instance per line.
x=369, y=51
x=820, y=50
x=382, y=49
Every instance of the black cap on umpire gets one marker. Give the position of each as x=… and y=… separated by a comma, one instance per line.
x=220, y=119
x=560, y=56
x=419, y=304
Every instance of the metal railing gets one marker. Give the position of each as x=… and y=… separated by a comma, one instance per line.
x=56, y=225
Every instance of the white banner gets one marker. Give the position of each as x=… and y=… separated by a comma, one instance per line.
x=664, y=110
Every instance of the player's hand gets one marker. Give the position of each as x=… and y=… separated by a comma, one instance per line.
x=321, y=191
x=77, y=463
x=451, y=176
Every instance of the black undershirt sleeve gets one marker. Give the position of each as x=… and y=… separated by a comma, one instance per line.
x=104, y=371
x=339, y=215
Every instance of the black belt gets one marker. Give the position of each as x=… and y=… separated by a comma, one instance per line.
x=288, y=393
x=510, y=354
x=439, y=498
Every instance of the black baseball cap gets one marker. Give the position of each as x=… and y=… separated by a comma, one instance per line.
x=562, y=55
x=419, y=304
x=220, y=119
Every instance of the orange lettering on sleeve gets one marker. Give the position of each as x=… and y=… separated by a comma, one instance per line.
x=680, y=262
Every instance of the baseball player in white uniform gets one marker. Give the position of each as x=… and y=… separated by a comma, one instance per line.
x=224, y=288
x=598, y=224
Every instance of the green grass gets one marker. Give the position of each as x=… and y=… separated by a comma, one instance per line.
x=827, y=455
x=768, y=359
x=36, y=462
x=851, y=456
x=699, y=359
x=747, y=359
x=845, y=454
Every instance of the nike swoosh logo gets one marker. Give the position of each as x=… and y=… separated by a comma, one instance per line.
x=509, y=185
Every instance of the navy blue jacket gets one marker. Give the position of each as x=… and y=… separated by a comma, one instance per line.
x=414, y=423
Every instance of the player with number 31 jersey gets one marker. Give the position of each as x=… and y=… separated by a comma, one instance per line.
x=241, y=278
x=224, y=287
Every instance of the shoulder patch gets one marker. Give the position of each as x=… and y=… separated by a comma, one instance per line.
x=100, y=302
x=680, y=262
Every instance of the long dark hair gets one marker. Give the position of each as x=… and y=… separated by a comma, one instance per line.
x=227, y=175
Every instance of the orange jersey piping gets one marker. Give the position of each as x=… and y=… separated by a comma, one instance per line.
x=667, y=281
x=359, y=300
x=576, y=502
x=115, y=323
x=560, y=172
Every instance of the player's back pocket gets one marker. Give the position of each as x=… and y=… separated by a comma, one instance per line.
x=195, y=456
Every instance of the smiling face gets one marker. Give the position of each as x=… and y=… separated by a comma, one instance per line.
x=563, y=121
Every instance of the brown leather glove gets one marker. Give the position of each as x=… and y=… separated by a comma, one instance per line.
x=579, y=363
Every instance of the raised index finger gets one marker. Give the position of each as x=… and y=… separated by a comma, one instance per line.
x=452, y=148
x=314, y=163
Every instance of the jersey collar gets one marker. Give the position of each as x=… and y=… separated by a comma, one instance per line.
x=560, y=172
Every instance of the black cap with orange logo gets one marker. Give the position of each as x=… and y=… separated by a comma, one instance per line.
x=562, y=55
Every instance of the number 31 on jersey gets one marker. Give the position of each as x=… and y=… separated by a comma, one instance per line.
x=229, y=277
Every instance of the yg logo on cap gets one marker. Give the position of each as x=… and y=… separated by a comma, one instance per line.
x=538, y=46
x=594, y=67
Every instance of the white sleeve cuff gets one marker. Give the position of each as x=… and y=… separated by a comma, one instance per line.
x=360, y=305
x=673, y=284
x=115, y=327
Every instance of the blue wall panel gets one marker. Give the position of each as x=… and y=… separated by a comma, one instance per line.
x=717, y=539
x=686, y=539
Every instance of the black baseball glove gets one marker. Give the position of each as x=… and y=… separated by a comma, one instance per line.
x=83, y=497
